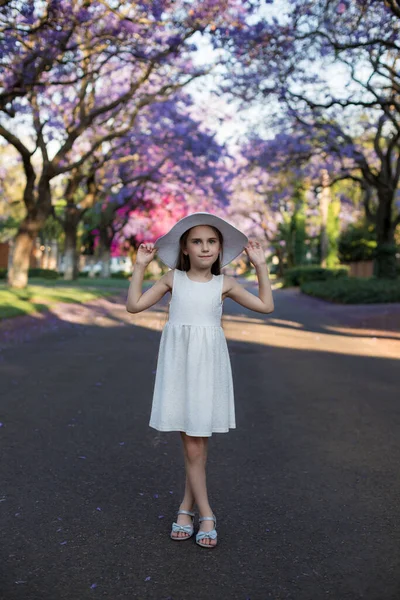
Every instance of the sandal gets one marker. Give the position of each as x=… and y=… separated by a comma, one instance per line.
x=207, y=534
x=185, y=528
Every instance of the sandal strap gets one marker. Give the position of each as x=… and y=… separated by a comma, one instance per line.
x=208, y=519
x=182, y=511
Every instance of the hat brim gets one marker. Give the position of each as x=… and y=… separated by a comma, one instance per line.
x=168, y=245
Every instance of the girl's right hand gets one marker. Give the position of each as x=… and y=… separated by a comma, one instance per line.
x=145, y=254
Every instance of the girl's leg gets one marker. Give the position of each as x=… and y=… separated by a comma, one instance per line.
x=188, y=501
x=195, y=452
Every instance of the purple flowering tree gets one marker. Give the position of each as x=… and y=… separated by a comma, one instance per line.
x=168, y=155
x=75, y=76
x=298, y=167
x=332, y=70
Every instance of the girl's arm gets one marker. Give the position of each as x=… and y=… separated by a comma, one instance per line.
x=137, y=301
x=264, y=303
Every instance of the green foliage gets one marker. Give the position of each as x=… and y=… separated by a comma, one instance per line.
x=357, y=243
x=121, y=275
x=51, y=230
x=8, y=228
x=385, y=261
x=43, y=273
x=332, y=230
x=127, y=275
x=87, y=241
x=35, y=298
x=85, y=274
x=292, y=231
x=354, y=290
x=33, y=273
x=298, y=275
x=297, y=247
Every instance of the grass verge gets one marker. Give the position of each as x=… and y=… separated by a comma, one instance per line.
x=43, y=293
x=39, y=298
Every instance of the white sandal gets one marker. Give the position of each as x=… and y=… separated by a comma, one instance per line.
x=188, y=529
x=212, y=535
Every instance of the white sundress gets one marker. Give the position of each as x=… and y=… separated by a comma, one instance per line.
x=193, y=389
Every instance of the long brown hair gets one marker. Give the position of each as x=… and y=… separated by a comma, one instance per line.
x=183, y=261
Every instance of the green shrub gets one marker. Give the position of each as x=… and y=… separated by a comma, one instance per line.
x=86, y=274
x=32, y=273
x=43, y=273
x=298, y=275
x=121, y=275
x=357, y=242
x=354, y=290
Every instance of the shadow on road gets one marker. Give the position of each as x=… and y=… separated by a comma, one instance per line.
x=305, y=489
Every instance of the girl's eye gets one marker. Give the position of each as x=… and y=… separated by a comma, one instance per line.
x=197, y=241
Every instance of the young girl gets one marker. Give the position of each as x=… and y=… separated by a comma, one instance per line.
x=193, y=390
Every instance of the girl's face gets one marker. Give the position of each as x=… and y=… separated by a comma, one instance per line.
x=202, y=246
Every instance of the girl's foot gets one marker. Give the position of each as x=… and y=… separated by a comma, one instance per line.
x=183, y=520
x=207, y=526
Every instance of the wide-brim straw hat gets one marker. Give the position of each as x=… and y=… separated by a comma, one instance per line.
x=168, y=245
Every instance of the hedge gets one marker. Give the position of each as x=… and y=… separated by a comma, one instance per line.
x=354, y=290
x=298, y=275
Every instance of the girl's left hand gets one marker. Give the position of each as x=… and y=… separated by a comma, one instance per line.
x=255, y=253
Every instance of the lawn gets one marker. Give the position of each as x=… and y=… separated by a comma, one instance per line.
x=42, y=293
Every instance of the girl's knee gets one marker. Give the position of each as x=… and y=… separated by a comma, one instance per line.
x=194, y=446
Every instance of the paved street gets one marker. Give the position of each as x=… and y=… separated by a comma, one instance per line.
x=306, y=490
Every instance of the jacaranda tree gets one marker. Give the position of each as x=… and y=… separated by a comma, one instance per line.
x=332, y=69
x=167, y=155
x=69, y=72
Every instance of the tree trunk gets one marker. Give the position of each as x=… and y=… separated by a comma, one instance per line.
x=90, y=262
x=106, y=238
x=70, y=255
x=38, y=208
x=280, y=269
x=325, y=199
x=23, y=244
x=385, y=255
x=71, y=270
x=105, y=262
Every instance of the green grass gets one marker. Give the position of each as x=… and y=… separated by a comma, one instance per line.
x=84, y=282
x=42, y=293
x=37, y=298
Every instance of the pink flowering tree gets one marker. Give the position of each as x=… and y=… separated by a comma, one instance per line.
x=169, y=154
x=76, y=75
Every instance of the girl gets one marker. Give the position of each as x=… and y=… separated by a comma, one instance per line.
x=193, y=390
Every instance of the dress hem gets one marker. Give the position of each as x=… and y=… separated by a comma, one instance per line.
x=208, y=434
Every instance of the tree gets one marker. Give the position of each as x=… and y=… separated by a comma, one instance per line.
x=112, y=56
x=34, y=38
x=168, y=154
x=290, y=60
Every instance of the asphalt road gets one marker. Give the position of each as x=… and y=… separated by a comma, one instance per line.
x=306, y=490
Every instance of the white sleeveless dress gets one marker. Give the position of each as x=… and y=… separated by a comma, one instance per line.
x=193, y=389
